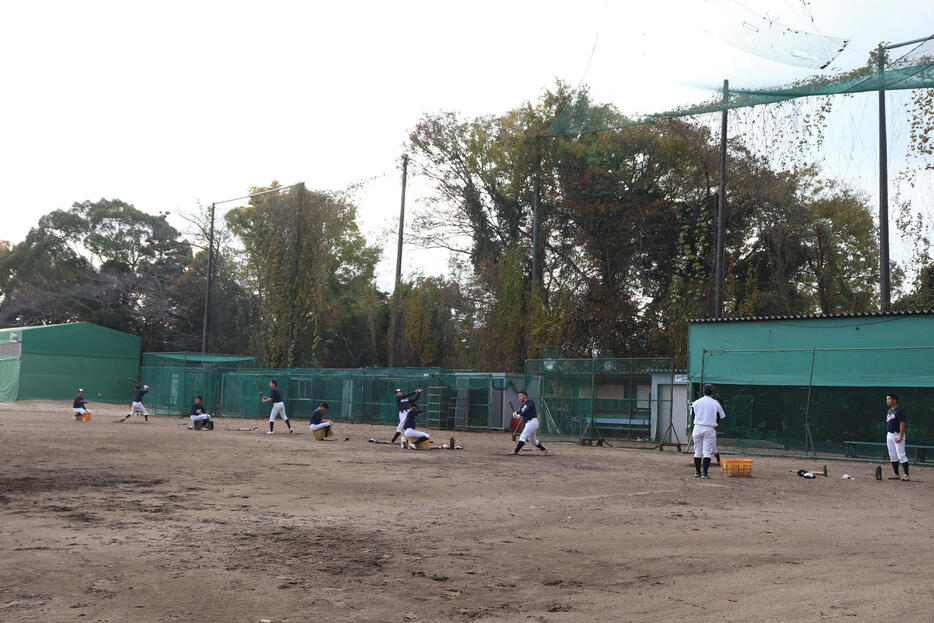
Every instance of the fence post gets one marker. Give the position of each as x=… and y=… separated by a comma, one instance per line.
x=807, y=408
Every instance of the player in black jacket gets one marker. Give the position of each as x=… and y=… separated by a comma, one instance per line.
x=413, y=436
x=530, y=420
x=402, y=406
x=317, y=420
x=278, y=406
x=137, y=406
x=79, y=406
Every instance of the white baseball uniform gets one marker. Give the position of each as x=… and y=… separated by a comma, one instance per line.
x=705, y=411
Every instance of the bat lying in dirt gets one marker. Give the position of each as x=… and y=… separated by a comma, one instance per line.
x=247, y=430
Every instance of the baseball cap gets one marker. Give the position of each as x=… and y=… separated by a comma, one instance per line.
x=398, y=389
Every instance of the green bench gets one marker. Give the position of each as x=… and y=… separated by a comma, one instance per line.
x=852, y=448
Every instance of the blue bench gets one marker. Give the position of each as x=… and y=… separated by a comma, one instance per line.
x=622, y=424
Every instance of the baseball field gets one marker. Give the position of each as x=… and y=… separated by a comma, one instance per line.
x=105, y=522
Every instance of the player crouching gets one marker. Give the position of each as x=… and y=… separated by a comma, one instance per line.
x=79, y=407
x=318, y=422
x=201, y=420
x=414, y=438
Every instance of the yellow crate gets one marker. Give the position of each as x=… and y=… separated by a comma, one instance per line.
x=736, y=468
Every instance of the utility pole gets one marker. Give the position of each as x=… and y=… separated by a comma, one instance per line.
x=395, y=293
x=209, y=278
x=207, y=284
x=721, y=210
x=884, y=293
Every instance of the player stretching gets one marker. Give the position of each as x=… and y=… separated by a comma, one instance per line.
x=707, y=413
x=402, y=406
x=278, y=407
x=79, y=406
x=318, y=421
x=413, y=436
x=137, y=406
x=895, y=435
x=199, y=415
x=530, y=419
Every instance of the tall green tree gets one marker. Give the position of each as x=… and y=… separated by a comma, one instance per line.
x=304, y=257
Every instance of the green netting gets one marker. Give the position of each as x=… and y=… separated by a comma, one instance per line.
x=590, y=399
x=912, y=68
x=55, y=360
x=175, y=379
x=452, y=400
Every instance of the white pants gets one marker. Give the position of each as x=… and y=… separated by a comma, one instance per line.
x=705, y=441
x=80, y=411
x=401, y=427
x=138, y=406
x=200, y=418
x=278, y=409
x=896, y=449
x=415, y=435
x=528, y=432
x=323, y=424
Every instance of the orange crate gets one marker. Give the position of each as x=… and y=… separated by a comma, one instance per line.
x=736, y=468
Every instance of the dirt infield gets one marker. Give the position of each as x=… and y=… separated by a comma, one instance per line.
x=132, y=522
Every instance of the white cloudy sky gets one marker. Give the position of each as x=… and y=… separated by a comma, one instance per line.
x=169, y=104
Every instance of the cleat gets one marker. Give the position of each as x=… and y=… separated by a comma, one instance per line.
x=271, y=432
x=705, y=476
x=697, y=474
x=291, y=431
x=905, y=478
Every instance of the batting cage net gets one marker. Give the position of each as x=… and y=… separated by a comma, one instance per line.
x=174, y=379
x=905, y=68
x=822, y=401
x=604, y=399
x=451, y=399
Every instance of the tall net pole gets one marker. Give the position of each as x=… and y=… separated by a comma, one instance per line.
x=883, y=197
x=721, y=212
x=395, y=293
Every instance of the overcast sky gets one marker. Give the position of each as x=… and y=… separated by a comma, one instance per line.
x=169, y=104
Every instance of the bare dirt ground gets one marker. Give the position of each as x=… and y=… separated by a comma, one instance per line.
x=132, y=522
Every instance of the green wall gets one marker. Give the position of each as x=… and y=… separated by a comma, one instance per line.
x=878, y=365
x=57, y=359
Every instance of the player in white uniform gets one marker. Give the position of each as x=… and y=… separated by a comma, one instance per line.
x=706, y=411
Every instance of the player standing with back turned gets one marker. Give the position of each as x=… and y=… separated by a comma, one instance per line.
x=707, y=414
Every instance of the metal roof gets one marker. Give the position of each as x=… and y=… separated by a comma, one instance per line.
x=887, y=314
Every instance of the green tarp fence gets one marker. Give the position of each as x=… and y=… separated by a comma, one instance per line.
x=826, y=399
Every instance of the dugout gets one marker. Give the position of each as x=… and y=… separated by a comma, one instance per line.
x=51, y=362
x=816, y=384
x=175, y=378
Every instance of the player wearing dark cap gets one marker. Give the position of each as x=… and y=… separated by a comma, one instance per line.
x=403, y=401
x=895, y=426
x=707, y=413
